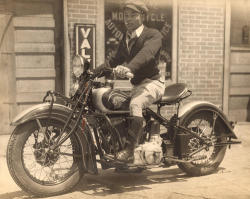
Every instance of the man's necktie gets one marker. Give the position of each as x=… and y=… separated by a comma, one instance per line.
x=131, y=41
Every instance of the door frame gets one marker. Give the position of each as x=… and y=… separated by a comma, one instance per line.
x=66, y=41
x=226, y=79
x=7, y=41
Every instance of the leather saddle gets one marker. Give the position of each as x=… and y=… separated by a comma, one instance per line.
x=174, y=93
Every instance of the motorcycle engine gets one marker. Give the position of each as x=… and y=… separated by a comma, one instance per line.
x=149, y=153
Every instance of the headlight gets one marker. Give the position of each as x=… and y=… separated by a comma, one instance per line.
x=78, y=65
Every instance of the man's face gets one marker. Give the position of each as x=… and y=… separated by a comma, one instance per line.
x=132, y=19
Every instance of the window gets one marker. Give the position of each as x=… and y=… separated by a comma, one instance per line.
x=159, y=17
x=240, y=23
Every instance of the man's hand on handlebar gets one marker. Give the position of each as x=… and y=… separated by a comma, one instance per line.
x=122, y=72
x=119, y=71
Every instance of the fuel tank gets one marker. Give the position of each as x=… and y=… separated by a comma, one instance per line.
x=107, y=99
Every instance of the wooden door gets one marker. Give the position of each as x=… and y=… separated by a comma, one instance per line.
x=37, y=47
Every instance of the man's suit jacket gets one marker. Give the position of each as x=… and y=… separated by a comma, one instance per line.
x=143, y=57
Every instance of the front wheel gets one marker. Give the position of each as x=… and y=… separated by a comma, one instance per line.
x=37, y=169
x=207, y=125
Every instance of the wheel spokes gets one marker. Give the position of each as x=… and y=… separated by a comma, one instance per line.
x=42, y=164
x=200, y=152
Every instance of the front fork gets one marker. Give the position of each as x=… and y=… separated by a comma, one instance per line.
x=76, y=115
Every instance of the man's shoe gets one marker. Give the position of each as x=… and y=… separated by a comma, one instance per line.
x=134, y=134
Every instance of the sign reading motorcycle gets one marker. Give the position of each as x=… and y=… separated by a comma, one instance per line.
x=85, y=42
x=159, y=17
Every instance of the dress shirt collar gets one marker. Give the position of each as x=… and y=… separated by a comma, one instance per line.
x=137, y=32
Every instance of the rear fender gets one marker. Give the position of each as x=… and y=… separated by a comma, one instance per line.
x=61, y=113
x=207, y=106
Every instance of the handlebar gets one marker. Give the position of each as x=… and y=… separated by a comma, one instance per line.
x=106, y=70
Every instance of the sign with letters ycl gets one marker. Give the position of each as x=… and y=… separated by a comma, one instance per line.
x=85, y=42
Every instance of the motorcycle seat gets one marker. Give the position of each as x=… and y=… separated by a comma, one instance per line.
x=173, y=94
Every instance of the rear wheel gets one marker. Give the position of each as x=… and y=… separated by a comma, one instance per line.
x=37, y=169
x=207, y=125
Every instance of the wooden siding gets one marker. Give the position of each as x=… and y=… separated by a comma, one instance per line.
x=30, y=54
x=40, y=61
x=35, y=50
x=239, y=92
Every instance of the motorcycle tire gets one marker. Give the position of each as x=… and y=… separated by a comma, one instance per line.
x=52, y=180
x=206, y=123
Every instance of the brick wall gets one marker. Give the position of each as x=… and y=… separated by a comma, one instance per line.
x=201, y=48
x=87, y=12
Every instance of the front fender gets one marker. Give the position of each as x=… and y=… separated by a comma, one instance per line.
x=61, y=113
x=39, y=111
x=207, y=106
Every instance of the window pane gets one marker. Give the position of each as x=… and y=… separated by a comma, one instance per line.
x=240, y=22
x=159, y=17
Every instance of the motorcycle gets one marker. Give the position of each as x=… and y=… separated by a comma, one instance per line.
x=54, y=144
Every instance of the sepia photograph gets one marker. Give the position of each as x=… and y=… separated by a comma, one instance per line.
x=125, y=99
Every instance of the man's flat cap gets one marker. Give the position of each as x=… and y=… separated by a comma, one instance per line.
x=136, y=5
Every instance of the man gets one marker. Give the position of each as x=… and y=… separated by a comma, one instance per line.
x=138, y=53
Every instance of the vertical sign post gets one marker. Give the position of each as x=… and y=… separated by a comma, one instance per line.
x=85, y=42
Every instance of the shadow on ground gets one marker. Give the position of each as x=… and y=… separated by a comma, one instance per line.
x=111, y=182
